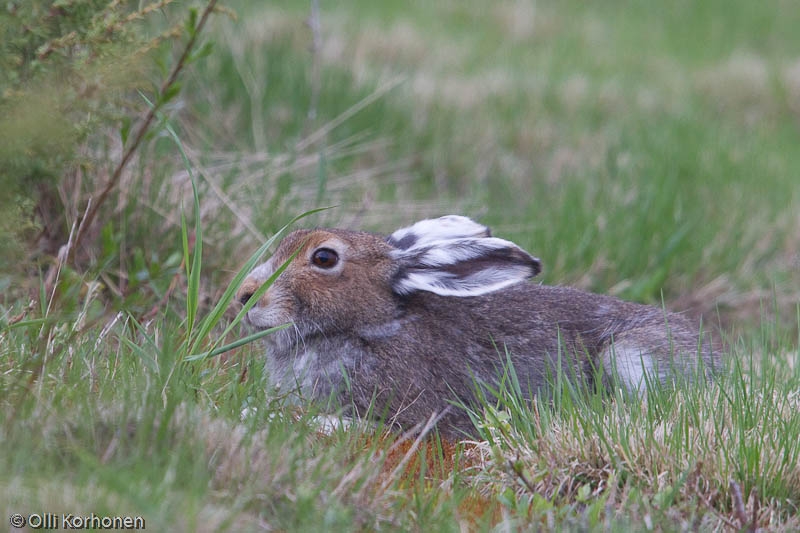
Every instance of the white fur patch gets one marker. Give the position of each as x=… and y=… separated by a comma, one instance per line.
x=630, y=364
x=304, y=363
x=446, y=284
x=262, y=272
x=330, y=424
x=430, y=230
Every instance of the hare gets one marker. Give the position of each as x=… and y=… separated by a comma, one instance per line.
x=416, y=322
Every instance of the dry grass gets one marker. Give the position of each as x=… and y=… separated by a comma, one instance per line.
x=690, y=460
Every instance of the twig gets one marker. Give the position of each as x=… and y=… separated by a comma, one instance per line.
x=516, y=467
x=113, y=181
x=721, y=517
x=17, y=318
x=740, y=510
x=738, y=504
x=429, y=425
x=63, y=253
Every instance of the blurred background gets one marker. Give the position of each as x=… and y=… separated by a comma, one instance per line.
x=648, y=151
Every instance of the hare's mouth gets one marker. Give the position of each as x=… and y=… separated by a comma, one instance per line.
x=261, y=318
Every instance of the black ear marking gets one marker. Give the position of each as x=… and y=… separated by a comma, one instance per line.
x=407, y=241
x=463, y=267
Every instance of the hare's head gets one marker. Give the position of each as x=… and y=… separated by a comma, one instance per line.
x=339, y=281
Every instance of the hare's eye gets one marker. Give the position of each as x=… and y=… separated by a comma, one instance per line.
x=325, y=258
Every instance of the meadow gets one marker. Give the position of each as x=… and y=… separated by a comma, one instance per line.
x=645, y=151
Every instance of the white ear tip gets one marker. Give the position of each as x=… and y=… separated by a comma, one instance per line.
x=437, y=229
x=456, y=220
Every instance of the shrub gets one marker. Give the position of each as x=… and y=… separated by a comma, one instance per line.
x=73, y=71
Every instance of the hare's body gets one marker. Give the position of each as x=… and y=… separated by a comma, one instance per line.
x=410, y=324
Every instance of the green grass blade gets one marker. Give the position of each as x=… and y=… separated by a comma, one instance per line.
x=216, y=313
x=236, y=344
x=252, y=301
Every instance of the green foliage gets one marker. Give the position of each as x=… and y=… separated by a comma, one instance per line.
x=68, y=69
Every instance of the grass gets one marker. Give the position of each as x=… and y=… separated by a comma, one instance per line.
x=646, y=152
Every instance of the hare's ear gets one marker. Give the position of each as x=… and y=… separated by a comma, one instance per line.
x=437, y=229
x=462, y=267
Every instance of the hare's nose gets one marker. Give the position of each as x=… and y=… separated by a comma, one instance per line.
x=246, y=291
